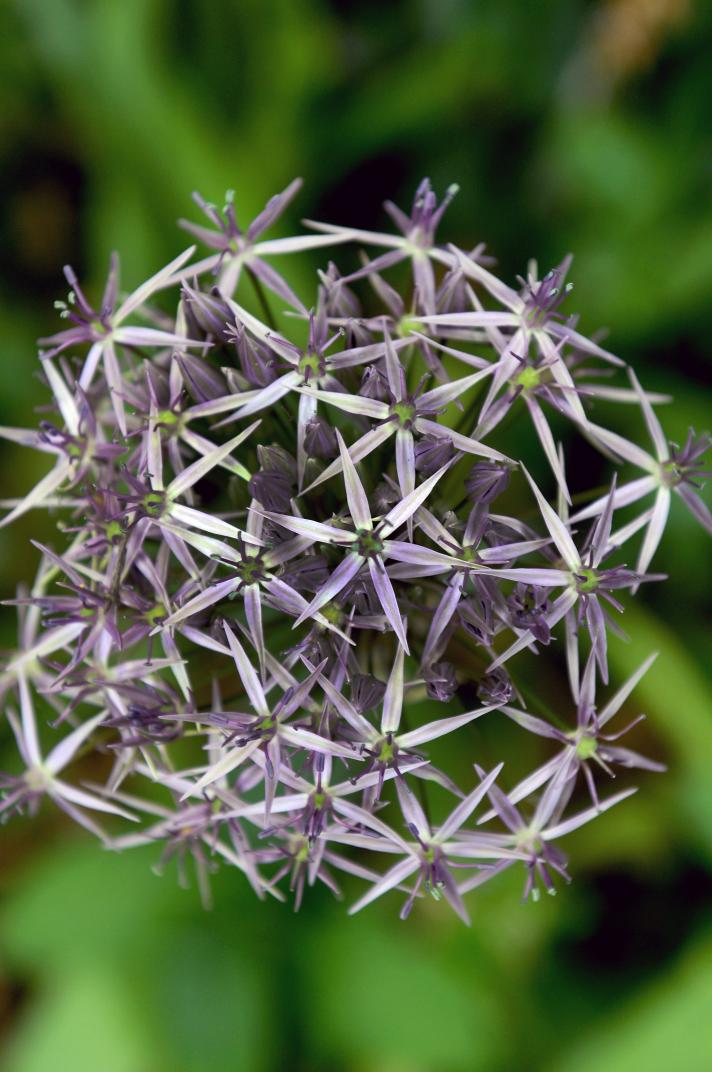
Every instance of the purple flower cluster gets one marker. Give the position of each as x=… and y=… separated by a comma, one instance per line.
x=275, y=546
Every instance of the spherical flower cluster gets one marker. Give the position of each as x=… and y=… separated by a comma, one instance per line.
x=275, y=546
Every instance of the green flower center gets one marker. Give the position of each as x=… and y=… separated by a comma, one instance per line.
x=99, y=328
x=301, y=856
x=311, y=366
x=404, y=412
x=367, y=543
x=586, y=580
x=75, y=450
x=528, y=378
x=671, y=474
x=332, y=612
x=408, y=324
x=156, y=614
x=113, y=531
x=250, y=570
x=154, y=503
x=586, y=747
x=387, y=751
x=167, y=418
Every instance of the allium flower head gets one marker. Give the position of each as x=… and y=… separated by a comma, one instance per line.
x=287, y=571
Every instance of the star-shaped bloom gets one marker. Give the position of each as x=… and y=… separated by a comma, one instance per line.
x=670, y=469
x=470, y=548
x=415, y=243
x=535, y=838
x=404, y=415
x=106, y=328
x=254, y=577
x=387, y=745
x=266, y=728
x=205, y=831
x=586, y=747
x=41, y=776
x=313, y=366
x=237, y=249
x=368, y=542
x=587, y=582
x=79, y=448
x=433, y=854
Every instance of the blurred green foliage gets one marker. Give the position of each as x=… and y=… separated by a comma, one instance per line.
x=569, y=125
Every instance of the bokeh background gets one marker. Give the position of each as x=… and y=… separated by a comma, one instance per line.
x=570, y=126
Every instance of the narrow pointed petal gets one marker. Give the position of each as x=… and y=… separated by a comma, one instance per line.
x=368, y=442
x=432, y=730
x=443, y=616
x=529, y=785
x=354, y=234
x=699, y=510
x=459, y=816
x=274, y=282
x=623, y=496
x=530, y=722
x=204, y=446
x=313, y=742
x=557, y=529
x=407, y=506
x=346, y=710
x=29, y=724
x=208, y=598
x=232, y=759
x=356, y=404
x=442, y=396
x=417, y=555
x=298, y=243
x=316, y=531
x=307, y=410
x=265, y=397
x=62, y=791
x=342, y=575
x=114, y=383
x=204, y=522
x=63, y=396
x=202, y=466
x=154, y=451
x=248, y=677
x=655, y=529
x=627, y=451
x=156, y=282
x=280, y=345
x=387, y=599
x=565, y=827
x=405, y=461
x=40, y=493
x=393, y=698
x=397, y=874
x=616, y=702
x=253, y=613
x=547, y=441
x=653, y=425
x=460, y=442
x=355, y=494
x=63, y=752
